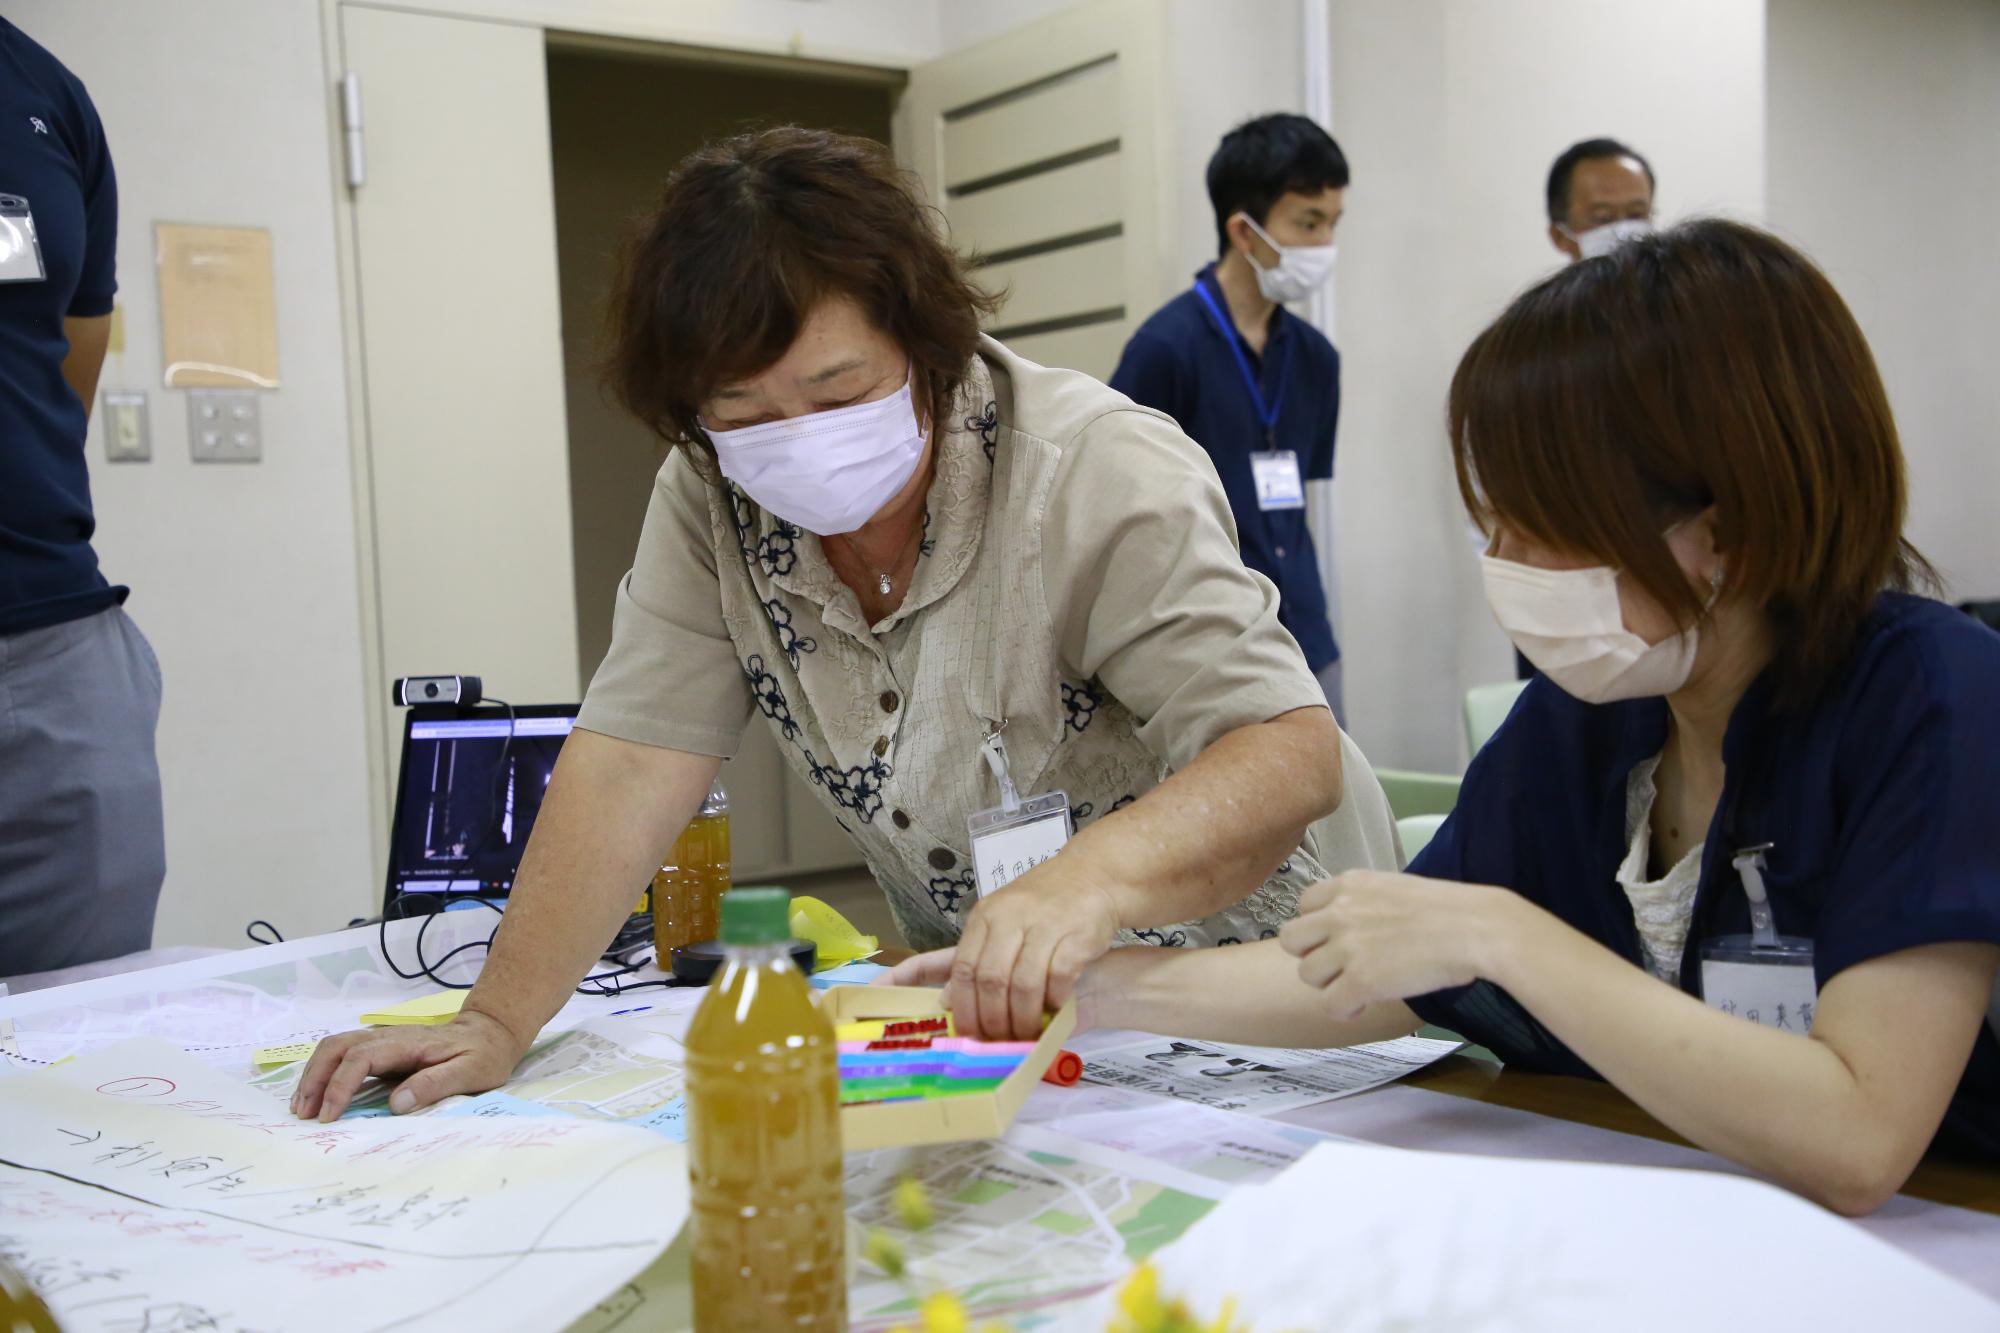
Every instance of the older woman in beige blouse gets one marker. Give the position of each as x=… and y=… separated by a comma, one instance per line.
x=891, y=539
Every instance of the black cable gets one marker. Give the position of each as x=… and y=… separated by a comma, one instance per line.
x=255, y=938
x=428, y=970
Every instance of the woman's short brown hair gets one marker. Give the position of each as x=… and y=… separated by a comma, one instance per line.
x=1711, y=364
x=749, y=234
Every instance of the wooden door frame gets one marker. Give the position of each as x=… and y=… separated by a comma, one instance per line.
x=577, y=24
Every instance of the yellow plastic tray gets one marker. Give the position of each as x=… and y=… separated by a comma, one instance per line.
x=971, y=1115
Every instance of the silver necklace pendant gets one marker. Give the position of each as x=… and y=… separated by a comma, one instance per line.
x=884, y=585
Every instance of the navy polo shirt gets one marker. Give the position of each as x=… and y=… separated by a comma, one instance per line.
x=52, y=153
x=1880, y=799
x=1180, y=363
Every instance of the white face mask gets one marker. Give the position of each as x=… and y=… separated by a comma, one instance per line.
x=1300, y=271
x=1568, y=623
x=1598, y=242
x=826, y=472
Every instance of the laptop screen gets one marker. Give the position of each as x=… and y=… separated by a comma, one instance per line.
x=471, y=785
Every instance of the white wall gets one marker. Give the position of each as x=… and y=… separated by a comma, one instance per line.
x=243, y=576
x=963, y=22
x=1227, y=63
x=1450, y=114
x=1885, y=166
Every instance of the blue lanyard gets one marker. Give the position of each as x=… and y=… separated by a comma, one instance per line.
x=1266, y=416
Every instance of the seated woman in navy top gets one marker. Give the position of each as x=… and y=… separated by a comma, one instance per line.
x=1687, y=465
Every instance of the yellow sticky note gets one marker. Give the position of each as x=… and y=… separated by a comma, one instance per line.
x=273, y=1056
x=877, y=1029
x=438, y=1008
x=834, y=938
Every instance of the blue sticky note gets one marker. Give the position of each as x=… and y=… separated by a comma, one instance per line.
x=669, y=1121
x=848, y=974
x=501, y=1103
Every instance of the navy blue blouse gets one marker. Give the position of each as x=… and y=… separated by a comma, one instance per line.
x=1882, y=800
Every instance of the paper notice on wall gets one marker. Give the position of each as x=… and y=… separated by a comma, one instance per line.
x=1262, y=1080
x=218, y=311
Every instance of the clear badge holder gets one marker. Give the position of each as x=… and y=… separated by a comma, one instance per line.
x=20, y=248
x=1015, y=837
x=1763, y=976
x=1279, y=484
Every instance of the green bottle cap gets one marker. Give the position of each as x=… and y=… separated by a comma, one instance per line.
x=756, y=916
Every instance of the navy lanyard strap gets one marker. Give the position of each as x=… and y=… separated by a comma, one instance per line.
x=1266, y=416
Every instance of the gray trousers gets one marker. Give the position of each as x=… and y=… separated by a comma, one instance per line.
x=82, y=843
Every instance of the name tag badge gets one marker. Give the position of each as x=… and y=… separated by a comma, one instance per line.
x=20, y=250
x=1771, y=984
x=1279, y=485
x=1008, y=844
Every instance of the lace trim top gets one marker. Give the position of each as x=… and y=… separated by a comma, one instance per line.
x=1661, y=908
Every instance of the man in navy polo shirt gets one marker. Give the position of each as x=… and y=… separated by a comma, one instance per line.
x=1253, y=384
x=81, y=842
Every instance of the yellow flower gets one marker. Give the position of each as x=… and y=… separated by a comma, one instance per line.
x=885, y=1252
x=913, y=1205
x=943, y=1314
x=1139, y=1301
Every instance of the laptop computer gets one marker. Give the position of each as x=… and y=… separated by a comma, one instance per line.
x=467, y=793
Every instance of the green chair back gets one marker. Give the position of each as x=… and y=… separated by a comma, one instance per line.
x=1413, y=793
x=1416, y=832
x=1486, y=707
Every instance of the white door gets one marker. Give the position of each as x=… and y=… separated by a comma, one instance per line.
x=1046, y=148
x=454, y=223
x=461, y=348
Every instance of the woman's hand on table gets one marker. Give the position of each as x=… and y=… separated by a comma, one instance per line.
x=1024, y=947
x=472, y=1053
x=1368, y=937
x=1021, y=953
x=935, y=968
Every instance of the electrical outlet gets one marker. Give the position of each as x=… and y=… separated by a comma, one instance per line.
x=224, y=426
x=127, y=436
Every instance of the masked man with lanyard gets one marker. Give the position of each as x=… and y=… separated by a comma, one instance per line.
x=1255, y=386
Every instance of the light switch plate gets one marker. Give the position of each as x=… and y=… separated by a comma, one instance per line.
x=128, y=436
x=224, y=426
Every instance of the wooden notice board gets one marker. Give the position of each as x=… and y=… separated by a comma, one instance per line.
x=218, y=316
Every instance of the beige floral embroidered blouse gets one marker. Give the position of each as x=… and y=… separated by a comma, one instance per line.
x=1078, y=580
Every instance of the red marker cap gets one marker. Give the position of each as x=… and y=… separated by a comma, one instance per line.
x=1065, y=1070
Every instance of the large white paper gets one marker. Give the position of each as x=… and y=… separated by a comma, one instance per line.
x=1262, y=1080
x=1359, y=1237
x=225, y=1008
x=222, y=1185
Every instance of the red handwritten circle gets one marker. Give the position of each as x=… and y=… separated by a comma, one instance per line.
x=139, y=1085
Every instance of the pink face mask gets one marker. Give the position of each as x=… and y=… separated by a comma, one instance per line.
x=1569, y=624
